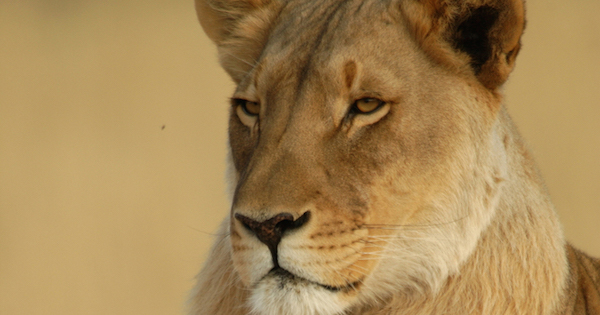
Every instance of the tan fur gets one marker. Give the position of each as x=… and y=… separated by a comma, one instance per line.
x=431, y=204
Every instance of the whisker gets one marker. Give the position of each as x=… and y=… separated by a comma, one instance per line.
x=206, y=233
x=387, y=238
x=397, y=226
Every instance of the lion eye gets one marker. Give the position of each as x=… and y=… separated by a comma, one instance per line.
x=367, y=105
x=247, y=111
x=250, y=108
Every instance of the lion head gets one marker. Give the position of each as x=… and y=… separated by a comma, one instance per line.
x=367, y=144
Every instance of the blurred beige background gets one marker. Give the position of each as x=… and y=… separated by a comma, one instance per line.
x=113, y=142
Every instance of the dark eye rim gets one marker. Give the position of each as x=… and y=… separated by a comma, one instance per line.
x=242, y=103
x=354, y=110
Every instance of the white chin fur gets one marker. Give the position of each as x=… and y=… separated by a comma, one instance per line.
x=276, y=296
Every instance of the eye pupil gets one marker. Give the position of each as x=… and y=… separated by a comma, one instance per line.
x=367, y=105
x=249, y=107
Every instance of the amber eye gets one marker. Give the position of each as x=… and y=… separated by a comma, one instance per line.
x=247, y=111
x=250, y=108
x=367, y=105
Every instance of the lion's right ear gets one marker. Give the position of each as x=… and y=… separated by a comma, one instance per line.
x=239, y=28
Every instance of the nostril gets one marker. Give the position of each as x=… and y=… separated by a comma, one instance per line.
x=294, y=224
x=246, y=222
x=280, y=221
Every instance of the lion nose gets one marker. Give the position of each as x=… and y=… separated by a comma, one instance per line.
x=271, y=230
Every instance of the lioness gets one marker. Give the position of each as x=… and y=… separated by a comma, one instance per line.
x=376, y=169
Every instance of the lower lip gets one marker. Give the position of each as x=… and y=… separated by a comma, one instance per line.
x=283, y=274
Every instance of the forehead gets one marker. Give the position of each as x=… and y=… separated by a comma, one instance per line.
x=319, y=23
x=317, y=35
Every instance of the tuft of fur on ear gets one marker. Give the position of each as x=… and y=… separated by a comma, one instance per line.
x=239, y=28
x=477, y=37
x=218, y=17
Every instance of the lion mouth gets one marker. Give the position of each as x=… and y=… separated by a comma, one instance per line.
x=287, y=278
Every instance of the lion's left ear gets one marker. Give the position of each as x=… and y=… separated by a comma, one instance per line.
x=483, y=36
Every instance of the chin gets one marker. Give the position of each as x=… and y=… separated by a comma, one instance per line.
x=282, y=293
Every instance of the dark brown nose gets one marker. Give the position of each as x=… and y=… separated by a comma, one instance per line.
x=270, y=231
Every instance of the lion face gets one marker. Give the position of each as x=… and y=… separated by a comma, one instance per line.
x=356, y=152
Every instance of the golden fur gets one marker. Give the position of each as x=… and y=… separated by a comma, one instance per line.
x=375, y=131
